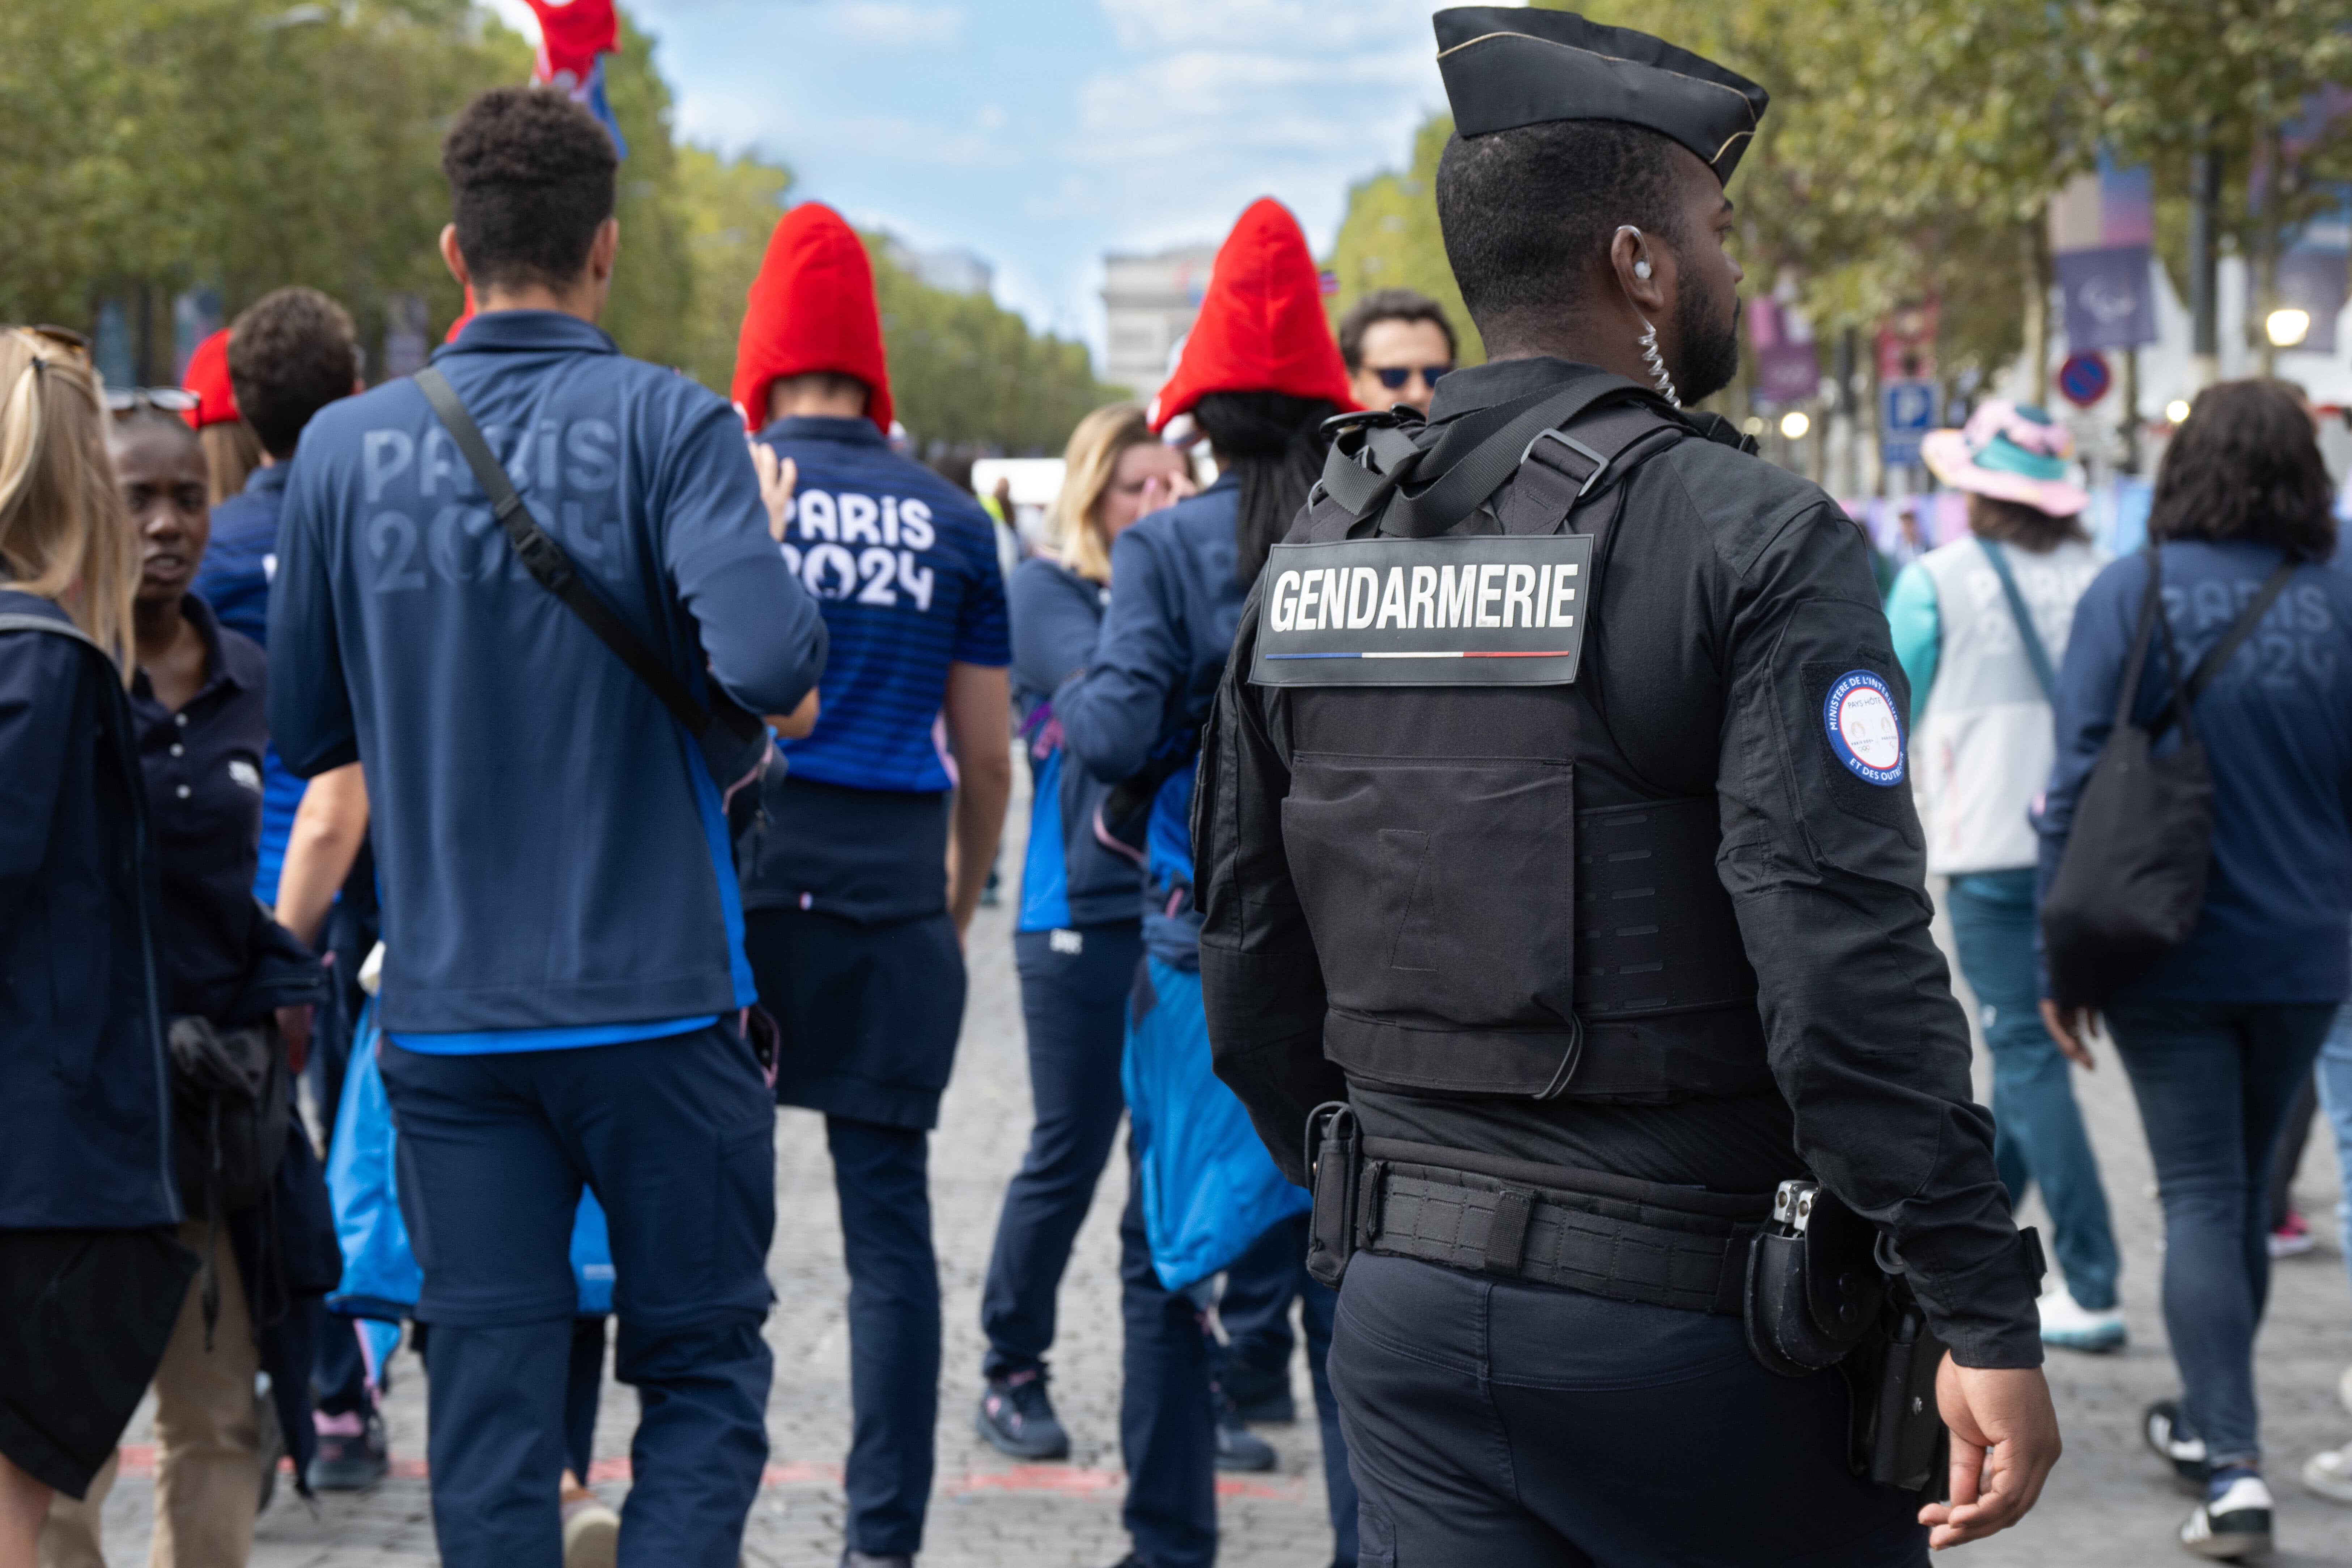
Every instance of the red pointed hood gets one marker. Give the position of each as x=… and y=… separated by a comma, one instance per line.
x=207, y=377
x=1261, y=326
x=812, y=308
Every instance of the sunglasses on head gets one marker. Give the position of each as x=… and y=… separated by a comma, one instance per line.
x=1396, y=377
x=170, y=399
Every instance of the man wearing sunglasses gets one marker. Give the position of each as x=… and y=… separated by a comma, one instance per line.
x=1396, y=344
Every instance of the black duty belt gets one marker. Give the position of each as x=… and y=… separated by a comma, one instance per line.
x=1607, y=1235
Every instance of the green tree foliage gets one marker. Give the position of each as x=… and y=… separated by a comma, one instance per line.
x=1390, y=239
x=966, y=372
x=1912, y=146
x=168, y=142
x=160, y=144
x=731, y=206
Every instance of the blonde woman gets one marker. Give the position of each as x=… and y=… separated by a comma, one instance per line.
x=1078, y=937
x=90, y=1276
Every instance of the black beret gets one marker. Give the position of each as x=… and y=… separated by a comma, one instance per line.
x=1506, y=66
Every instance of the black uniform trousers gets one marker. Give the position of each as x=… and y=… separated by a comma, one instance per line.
x=1518, y=1426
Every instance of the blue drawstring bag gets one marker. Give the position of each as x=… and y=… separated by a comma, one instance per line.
x=380, y=1273
x=1210, y=1189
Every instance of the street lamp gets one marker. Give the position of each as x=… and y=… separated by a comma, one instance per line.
x=2287, y=326
x=1795, y=424
x=2177, y=411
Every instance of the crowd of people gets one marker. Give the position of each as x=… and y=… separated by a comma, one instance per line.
x=312, y=768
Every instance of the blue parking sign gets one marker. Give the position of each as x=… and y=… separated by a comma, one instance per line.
x=1906, y=411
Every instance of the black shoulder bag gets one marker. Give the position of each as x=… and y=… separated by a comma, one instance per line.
x=2132, y=878
x=735, y=744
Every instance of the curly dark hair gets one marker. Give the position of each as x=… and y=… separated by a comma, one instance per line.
x=1388, y=305
x=1524, y=211
x=530, y=178
x=290, y=353
x=2247, y=466
x=1272, y=442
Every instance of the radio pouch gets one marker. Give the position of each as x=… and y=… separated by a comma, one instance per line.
x=1335, y=1159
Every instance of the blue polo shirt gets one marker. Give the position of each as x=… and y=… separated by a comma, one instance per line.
x=551, y=849
x=903, y=567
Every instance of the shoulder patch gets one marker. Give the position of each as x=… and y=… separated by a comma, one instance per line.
x=1864, y=727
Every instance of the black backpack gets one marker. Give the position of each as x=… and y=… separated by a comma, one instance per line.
x=2131, y=880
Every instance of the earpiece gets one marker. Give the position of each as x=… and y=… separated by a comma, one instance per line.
x=1640, y=268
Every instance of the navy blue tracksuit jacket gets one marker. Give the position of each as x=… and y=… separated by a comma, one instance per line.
x=554, y=862
x=1174, y=605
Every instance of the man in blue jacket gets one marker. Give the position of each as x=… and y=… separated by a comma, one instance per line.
x=854, y=931
x=564, y=966
x=290, y=353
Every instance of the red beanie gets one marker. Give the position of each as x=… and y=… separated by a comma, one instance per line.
x=812, y=308
x=1261, y=327
x=207, y=377
x=464, y=316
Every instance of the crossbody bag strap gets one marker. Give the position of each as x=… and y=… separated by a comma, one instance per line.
x=548, y=566
x=2035, y=654
x=2151, y=610
x=2218, y=656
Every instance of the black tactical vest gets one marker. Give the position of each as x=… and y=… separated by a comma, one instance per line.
x=1502, y=900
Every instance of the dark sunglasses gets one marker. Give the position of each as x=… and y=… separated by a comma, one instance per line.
x=1395, y=378
x=171, y=399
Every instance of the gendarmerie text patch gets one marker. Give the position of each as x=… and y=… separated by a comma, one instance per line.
x=1475, y=610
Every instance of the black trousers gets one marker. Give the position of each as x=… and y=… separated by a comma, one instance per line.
x=1517, y=1425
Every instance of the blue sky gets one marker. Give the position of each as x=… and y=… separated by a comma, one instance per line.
x=1042, y=133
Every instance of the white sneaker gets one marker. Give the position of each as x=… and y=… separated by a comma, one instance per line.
x=2070, y=1326
x=2329, y=1473
x=2235, y=1525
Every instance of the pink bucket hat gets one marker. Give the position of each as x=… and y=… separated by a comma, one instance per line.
x=2009, y=452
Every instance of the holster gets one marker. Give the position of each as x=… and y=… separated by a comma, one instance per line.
x=1335, y=1164
x=1895, y=1432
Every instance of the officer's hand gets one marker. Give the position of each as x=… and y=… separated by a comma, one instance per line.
x=777, y=478
x=2070, y=1028
x=2008, y=1410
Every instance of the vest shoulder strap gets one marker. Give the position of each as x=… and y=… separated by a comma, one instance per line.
x=1391, y=473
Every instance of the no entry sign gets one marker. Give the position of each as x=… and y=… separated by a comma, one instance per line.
x=2084, y=379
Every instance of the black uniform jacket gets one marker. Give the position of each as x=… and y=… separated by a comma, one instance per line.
x=1735, y=597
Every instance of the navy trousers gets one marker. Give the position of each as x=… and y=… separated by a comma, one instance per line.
x=1166, y=1425
x=882, y=1174
x=1074, y=1004
x=1516, y=1426
x=677, y=1137
x=1256, y=1311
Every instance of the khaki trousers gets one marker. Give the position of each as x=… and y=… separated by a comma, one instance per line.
x=207, y=1442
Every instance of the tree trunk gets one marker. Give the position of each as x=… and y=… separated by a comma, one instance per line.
x=2038, y=270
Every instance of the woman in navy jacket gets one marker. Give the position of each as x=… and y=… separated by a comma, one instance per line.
x=90, y=1276
x=2217, y=1038
x=1259, y=374
x=1079, y=936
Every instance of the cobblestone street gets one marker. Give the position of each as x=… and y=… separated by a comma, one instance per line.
x=2106, y=1503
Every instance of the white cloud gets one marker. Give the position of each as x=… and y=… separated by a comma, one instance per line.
x=1223, y=101
x=892, y=24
